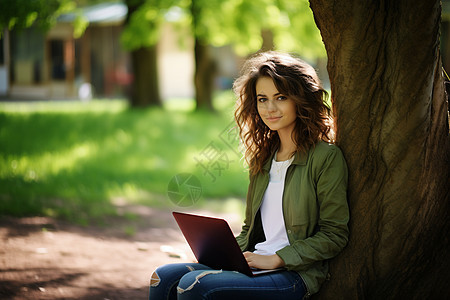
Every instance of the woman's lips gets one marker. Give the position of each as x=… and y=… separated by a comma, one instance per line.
x=273, y=119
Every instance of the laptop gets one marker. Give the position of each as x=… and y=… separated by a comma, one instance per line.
x=214, y=244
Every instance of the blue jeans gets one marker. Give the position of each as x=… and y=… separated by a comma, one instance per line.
x=197, y=281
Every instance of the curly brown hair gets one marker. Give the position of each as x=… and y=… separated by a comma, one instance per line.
x=295, y=79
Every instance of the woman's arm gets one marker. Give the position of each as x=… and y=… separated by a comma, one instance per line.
x=332, y=234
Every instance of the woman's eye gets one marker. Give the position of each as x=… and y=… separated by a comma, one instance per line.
x=281, y=98
x=262, y=99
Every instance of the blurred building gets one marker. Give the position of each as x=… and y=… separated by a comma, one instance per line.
x=55, y=65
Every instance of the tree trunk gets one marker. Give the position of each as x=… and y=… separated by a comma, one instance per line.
x=144, y=61
x=145, y=87
x=204, y=76
x=268, y=43
x=390, y=105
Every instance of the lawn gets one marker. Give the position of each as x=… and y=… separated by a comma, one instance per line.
x=77, y=161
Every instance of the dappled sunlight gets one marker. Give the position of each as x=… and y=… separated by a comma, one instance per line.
x=69, y=159
x=76, y=165
x=180, y=104
x=64, y=106
x=127, y=193
x=231, y=209
x=189, y=154
x=111, y=170
x=38, y=167
x=230, y=205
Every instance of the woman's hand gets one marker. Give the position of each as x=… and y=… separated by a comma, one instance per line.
x=263, y=261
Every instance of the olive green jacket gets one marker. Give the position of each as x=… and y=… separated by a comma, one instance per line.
x=315, y=212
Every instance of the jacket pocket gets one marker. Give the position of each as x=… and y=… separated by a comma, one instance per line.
x=301, y=231
x=301, y=211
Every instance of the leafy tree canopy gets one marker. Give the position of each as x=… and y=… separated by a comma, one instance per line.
x=216, y=22
x=240, y=22
x=21, y=14
x=236, y=22
x=297, y=30
x=144, y=21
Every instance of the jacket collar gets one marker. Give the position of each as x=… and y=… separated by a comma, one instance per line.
x=300, y=158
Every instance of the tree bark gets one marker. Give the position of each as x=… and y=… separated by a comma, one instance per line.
x=204, y=76
x=204, y=64
x=145, y=87
x=391, y=112
x=268, y=43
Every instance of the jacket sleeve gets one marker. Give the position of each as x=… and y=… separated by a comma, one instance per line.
x=242, y=238
x=332, y=231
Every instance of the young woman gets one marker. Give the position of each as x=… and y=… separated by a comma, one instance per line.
x=297, y=213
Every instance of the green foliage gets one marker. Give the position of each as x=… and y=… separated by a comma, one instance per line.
x=144, y=22
x=240, y=23
x=297, y=30
x=75, y=160
x=291, y=23
x=216, y=22
x=236, y=22
x=24, y=13
x=249, y=19
x=80, y=23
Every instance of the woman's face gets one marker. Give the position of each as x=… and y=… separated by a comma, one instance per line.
x=277, y=111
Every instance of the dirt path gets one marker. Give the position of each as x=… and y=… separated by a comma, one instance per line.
x=43, y=258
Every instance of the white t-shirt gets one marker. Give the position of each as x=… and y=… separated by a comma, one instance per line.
x=272, y=210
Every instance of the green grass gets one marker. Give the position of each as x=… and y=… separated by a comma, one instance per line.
x=77, y=160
